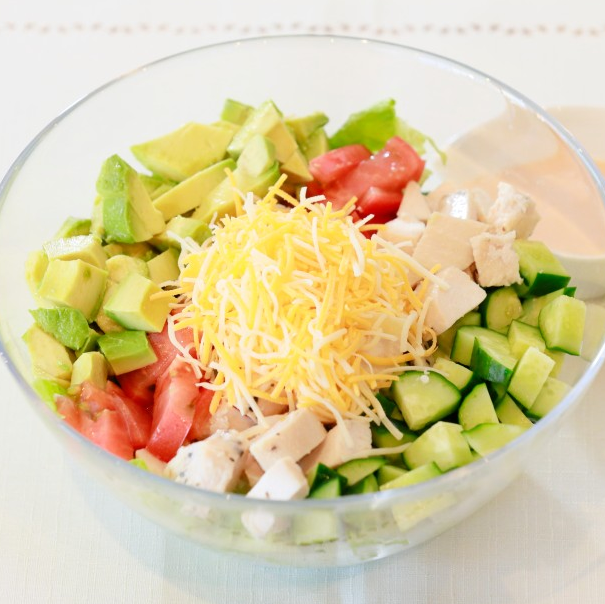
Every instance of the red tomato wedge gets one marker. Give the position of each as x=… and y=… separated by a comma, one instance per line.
x=69, y=410
x=109, y=431
x=138, y=385
x=201, y=416
x=137, y=419
x=94, y=400
x=333, y=165
x=380, y=202
x=173, y=409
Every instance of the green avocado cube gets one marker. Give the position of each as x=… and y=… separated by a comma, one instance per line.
x=189, y=193
x=235, y=112
x=89, y=367
x=35, y=267
x=90, y=343
x=127, y=210
x=75, y=284
x=73, y=227
x=317, y=144
x=164, y=267
x=105, y=323
x=257, y=156
x=181, y=227
x=297, y=168
x=127, y=351
x=67, y=325
x=180, y=154
x=120, y=266
x=80, y=247
x=50, y=359
x=304, y=127
x=131, y=304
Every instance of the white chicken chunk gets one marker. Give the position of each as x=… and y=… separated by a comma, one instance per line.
x=496, y=261
x=512, y=211
x=400, y=231
x=294, y=436
x=448, y=305
x=215, y=463
x=413, y=205
x=337, y=448
x=446, y=241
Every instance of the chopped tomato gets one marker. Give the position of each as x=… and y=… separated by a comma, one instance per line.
x=137, y=419
x=94, y=400
x=201, y=416
x=335, y=164
x=173, y=409
x=379, y=202
x=109, y=431
x=67, y=407
x=138, y=385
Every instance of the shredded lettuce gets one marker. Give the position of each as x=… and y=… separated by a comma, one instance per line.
x=47, y=390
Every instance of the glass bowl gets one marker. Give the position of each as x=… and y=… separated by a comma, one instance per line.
x=55, y=177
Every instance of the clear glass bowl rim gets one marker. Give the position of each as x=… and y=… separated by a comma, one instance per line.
x=413, y=492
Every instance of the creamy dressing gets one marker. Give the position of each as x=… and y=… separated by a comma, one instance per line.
x=568, y=200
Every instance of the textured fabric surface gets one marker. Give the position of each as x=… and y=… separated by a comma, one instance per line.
x=63, y=540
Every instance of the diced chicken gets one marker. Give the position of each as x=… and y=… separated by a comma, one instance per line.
x=294, y=436
x=337, y=448
x=270, y=408
x=413, y=205
x=434, y=199
x=448, y=305
x=399, y=230
x=512, y=211
x=252, y=470
x=469, y=204
x=446, y=242
x=284, y=481
x=229, y=418
x=215, y=463
x=496, y=261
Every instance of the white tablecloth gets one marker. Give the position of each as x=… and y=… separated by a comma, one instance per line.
x=64, y=540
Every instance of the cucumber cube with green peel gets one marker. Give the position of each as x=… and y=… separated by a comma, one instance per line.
x=443, y=444
x=368, y=485
x=355, y=470
x=508, y=412
x=477, y=408
x=487, y=438
x=418, y=474
x=529, y=376
x=562, y=322
x=389, y=472
x=550, y=396
x=460, y=376
x=521, y=336
x=541, y=271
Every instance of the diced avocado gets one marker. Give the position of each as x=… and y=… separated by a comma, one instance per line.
x=113, y=249
x=304, y=127
x=90, y=343
x=128, y=213
x=72, y=227
x=266, y=120
x=80, y=247
x=180, y=154
x=48, y=389
x=132, y=307
x=189, y=193
x=165, y=266
x=96, y=220
x=297, y=168
x=317, y=144
x=156, y=185
x=105, y=323
x=121, y=265
x=138, y=250
x=35, y=267
x=49, y=358
x=67, y=325
x=90, y=367
x=181, y=227
x=257, y=157
x=442, y=443
x=235, y=112
x=226, y=125
x=127, y=351
x=74, y=283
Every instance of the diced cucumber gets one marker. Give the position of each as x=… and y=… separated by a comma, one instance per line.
x=541, y=271
x=501, y=307
x=389, y=472
x=477, y=408
x=419, y=474
x=464, y=342
x=459, y=375
x=529, y=376
x=424, y=397
x=315, y=526
x=562, y=322
x=442, y=443
x=487, y=438
x=356, y=470
x=320, y=474
x=368, y=485
x=446, y=339
x=533, y=306
x=492, y=359
x=509, y=413
x=521, y=336
x=550, y=396
x=328, y=490
x=594, y=330
x=390, y=408
x=383, y=439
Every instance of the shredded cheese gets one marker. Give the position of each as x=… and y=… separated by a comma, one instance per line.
x=289, y=301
